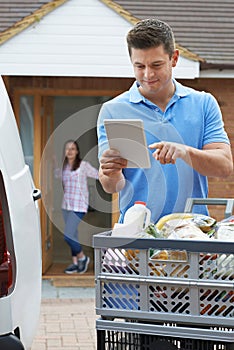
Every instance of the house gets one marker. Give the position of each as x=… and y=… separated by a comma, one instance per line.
x=61, y=59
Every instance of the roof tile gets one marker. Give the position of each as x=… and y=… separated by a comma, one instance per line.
x=205, y=28
x=15, y=10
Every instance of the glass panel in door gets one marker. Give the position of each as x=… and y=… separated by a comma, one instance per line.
x=26, y=128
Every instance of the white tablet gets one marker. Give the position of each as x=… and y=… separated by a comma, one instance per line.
x=128, y=137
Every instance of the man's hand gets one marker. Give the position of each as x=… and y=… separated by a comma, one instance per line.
x=110, y=171
x=111, y=163
x=168, y=152
x=214, y=160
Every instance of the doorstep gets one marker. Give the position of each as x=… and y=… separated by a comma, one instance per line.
x=60, y=279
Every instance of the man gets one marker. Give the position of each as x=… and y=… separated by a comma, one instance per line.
x=184, y=130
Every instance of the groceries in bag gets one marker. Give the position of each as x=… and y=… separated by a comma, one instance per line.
x=225, y=229
x=187, y=225
x=183, y=226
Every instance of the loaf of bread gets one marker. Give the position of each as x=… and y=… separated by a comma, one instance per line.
x=160, y=255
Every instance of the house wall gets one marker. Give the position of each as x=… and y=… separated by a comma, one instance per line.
x=222, y=89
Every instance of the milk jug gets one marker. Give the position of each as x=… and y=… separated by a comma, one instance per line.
x=138, y=216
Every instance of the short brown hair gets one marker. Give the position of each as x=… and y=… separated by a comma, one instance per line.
x=150, y=33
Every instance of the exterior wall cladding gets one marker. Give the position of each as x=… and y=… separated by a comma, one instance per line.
x=223, y=90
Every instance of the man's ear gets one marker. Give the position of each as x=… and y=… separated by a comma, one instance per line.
x=175, y=58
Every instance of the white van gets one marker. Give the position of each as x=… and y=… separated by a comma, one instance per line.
x=20, y=238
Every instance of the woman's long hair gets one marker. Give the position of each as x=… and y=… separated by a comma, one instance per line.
x=77, y=160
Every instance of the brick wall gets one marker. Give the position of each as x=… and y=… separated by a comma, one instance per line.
x=223, y=90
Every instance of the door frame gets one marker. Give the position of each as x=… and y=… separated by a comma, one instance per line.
x=46, y=172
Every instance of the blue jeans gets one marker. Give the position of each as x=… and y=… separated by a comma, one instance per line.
x=72, y=220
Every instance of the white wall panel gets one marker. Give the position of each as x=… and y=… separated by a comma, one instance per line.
x=186, y=69
x=79, y=38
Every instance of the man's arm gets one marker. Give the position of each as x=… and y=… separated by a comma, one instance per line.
x=110, y=171
x=215, y=159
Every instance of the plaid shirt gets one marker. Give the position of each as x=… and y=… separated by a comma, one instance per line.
x=75, y=186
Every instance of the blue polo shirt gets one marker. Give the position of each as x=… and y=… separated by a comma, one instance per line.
x=192, y=118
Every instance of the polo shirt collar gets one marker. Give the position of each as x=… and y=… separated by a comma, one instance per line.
x=136, y=97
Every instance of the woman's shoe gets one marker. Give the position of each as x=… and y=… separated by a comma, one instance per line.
x=83, y=265
x=73, y=268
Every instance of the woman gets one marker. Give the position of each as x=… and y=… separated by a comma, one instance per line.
x=75, y=172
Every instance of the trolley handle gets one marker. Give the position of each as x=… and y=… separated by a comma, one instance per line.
x=228, y=202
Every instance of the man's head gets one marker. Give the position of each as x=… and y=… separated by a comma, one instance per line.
x=150, y=33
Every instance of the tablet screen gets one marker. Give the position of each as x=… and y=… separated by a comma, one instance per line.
x=128, y=137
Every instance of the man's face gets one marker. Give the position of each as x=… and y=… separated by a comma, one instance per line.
x=153, y=68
